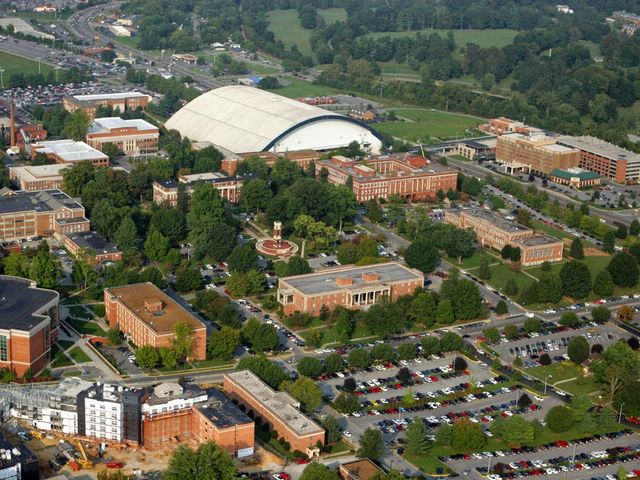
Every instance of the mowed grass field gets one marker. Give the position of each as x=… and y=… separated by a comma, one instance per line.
x=484, y=38
x=296, y=88
x=14, y=64
x=285, y=25
x=428, y=126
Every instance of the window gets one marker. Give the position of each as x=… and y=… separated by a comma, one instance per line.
x=3, y=348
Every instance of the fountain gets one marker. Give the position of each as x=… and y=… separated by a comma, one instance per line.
x=276, y=246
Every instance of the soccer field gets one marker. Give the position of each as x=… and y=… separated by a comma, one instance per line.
x=428, y=126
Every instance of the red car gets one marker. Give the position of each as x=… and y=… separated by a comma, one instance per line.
x=301, y=461
x=562, y=444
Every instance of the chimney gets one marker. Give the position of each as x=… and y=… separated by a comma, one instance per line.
x=344, y=281
x=153, y=305
x=12, y=118
x=370, y=277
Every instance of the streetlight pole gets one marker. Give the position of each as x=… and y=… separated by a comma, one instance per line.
x=620, y=414
x=489, y=466
x=545, y=383
x=573, y=457
x=1, y=77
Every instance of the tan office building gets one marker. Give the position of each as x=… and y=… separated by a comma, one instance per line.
x=118, y=101
x=132, y=137
x=534, y=153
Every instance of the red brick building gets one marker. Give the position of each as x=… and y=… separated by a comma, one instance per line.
x=28, y=324
x=101, y=250
x=28, y=134
x=410, y=177
x=118, y=101
x=349, y=286
x=278, y=409
x=166, y=191
x=132, y=137
x=147, y=315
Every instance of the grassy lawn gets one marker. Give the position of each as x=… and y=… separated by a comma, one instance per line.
x=265, y=437
x=333, y=15
x=339, y=447
x=500, y=275
x=72, y=373
x=473, y=261
x=13, y=64
x=129, y=41
x=80, y=312
x=86, y=328
x=294, y=88
x=428, y=464
x=64, y=344
x=559, y=371
x=285, y=25
x=58, y=358
x=581, y=385
x=78, y=355
x=484, y=38
x=427, y=126
x=541, y=227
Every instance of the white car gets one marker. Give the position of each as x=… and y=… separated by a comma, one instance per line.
x=347, y=433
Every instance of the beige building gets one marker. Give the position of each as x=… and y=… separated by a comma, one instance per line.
x=166, y=191
x=497, y=232
x=40, y=177
x=118, y=101
x=534, y=153
x=69, y=151
x=349, y=286
x=132, y=137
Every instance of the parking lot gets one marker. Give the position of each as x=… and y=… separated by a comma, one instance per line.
x=531, y=347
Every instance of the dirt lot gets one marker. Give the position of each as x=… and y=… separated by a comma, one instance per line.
x=588, y=251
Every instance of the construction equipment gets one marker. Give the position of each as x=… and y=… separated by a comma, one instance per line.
x=37, y=434
x=74, y=465
x=84, y=461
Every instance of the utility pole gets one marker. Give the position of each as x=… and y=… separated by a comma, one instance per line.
x=1, y=77
x=620, y=414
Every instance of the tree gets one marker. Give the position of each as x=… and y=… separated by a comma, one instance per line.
x=634, y=227
x=206, y=211
x=407, y=351
x=511, y=287
x=404, y=375
x=168, y=357
x=223, y=343
x=603, y=284
x=633, y=343
x=444, y=312
x=444, y=435
x=374, y=211
x=466, y=300
x=76, y=126
x=505, y=253
x=524, y=401
x=44, y=269
x=545, y=359
x=349, y=384
x=310, y=367
x=511, y=331
x=578, y=349
x=270, y=373
x=532, y=325
x=600, y=314
x=306, y=391
x=264, y=338
x=359, y=358
x=459, y=364
x=188, y=279
x=501, y=308
x=113, y=335
x=577, y=249
x=318, y=471
x=156, y=246
x=182, y=341
x=382, y=352
x=576, y=279
x=484, y=273
x=518, y=431
x=126, y=237
x=370, y=444
x=147, y=356
x=625, y=313
x=618, y=367
x=332, y=429
x=549, y=288
x=430, y=345
x=467, y=436
x=624, y=271
x=255, y=195
x=609, y=242
x=346, y=402
x=569, y=319
x=451, y=342
x=242, y=259
x=208, y=462
x=621, y=232
x=417, y=443
x=491, y=334
x=333, y=363
x=559, y=419
x=422, y=255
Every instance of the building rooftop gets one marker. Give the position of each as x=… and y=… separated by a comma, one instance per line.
x=221, y=410
x=574, y=173
x=280, y=404
x=93, y=241
x=71, y=387
x=39, y=201
x=19, y=300
x=539, y=239
x=557, y=148
x=109, y=393
x=108, y=96
x=106, y=124
x=499, y=222
x=210, y=177
x=39, y=172
x=69, y=150
x=366, y=171
x=154, y=307
x=363, y=469
x=599, y=147
x=167, y=392
x=350, y=277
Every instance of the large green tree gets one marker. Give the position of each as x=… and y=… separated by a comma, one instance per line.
x=624, y=271
x=417, y=443
x=422, y=255
x=208, y=462
x=223, y=342
x=306, y=391
x=467, y=436
x=370, y=444
x=318, y=471
x=576, y=279
x=618, y=367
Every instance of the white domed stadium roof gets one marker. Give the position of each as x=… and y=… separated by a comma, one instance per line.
x=246, y=119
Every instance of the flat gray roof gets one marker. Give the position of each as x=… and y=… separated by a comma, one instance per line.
x=540, y=239
x=325, y=281
x=500, y=222
x=19, y=299
x=599, y=147
x=280, y=404
x=40, y=201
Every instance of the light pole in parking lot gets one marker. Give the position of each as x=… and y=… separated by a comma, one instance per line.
x=1, y=77
x=545, y=382
x=489, y=466
x=573, y=457
x=620, y=414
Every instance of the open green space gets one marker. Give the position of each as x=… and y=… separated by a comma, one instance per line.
x=86, y=328
x=129, y=41
x=58, y=357
x=285, y=25
x=559, y=371
x=72, y=373
x=484, y=38
x=64, y=344
x=332, y=15
x=473, y=261
x=428, y=464
x=14, y=64
x=339, y=447
x=429, y=126
x=500, y=275
x=78, y=355
x=294, y=88
x=79, y=311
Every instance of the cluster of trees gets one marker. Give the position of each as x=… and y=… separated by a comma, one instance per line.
x=582, y=415
x=362, y=250
x=574, y=280
x=36, y=264
x=617, y=374
x=149, y=357
x=209, y=461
